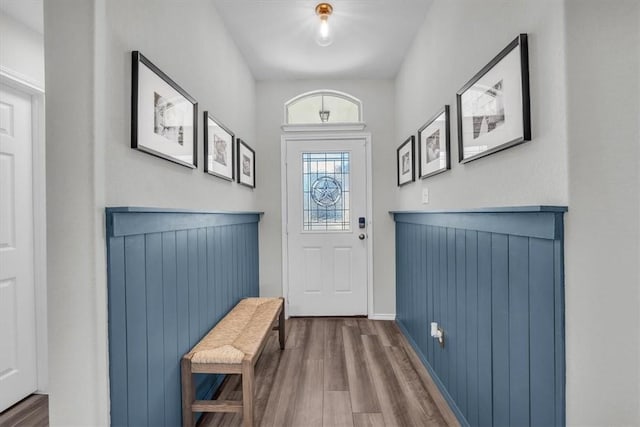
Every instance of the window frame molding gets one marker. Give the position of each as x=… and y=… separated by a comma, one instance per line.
x=336, y=126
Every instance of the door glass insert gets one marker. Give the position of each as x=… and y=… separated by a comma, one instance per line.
x=326, y=190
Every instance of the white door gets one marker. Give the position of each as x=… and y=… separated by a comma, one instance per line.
x=17, y=295
x=327, y=249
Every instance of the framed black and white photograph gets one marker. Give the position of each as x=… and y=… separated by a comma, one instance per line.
x=434, y=146
x=218, y=148
x=164, y=117
x=246, y=161
x=494, y=106
x=405, y=156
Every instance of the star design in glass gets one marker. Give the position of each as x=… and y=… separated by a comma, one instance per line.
x=326, y=191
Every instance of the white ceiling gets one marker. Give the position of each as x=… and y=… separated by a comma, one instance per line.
x=28, y=12
x=277, y=37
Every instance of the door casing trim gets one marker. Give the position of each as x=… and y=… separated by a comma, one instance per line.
x=327, y=136
x=22, y=83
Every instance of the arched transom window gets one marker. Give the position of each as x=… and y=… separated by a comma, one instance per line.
x=323, y=106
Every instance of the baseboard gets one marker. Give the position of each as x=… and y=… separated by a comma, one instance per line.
x=382, y=316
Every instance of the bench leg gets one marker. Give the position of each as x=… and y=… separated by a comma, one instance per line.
x=281, y=331
x=247, y=393
x=188, y=392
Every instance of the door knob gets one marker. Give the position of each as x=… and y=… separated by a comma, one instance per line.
x=361, y=236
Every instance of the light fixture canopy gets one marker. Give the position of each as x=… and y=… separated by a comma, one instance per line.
x=324, y=10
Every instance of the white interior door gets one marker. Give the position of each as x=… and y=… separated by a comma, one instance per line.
x=18, y=375
x=327, y=249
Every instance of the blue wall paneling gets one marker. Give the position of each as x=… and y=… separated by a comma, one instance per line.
x=172, y=275
x=493, y=279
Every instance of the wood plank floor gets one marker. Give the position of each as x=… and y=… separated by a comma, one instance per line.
x=338, y=372
x=30, y=412
x=333, y=372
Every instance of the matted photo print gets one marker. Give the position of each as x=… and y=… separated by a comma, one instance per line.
x=164, y=117
x=494, y=106
x=218, y=148
x=404, y=159
x=434, y=146
x=246, y=160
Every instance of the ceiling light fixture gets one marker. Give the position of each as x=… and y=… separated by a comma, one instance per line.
x=324, y=114
x=323, y=10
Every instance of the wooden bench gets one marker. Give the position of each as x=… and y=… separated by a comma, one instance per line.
x=233, y=346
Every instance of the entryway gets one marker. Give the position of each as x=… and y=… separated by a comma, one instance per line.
x=327, y=229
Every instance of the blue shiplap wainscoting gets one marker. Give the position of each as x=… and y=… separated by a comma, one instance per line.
x=171, y=276
x=493, y=280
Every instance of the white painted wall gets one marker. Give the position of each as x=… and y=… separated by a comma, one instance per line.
x=585, y=90
x=90, y=164
x=377, y=97
x=197, y=53
x=603, y=225
x=21, y=51
x=77, y=331
x=457, y=39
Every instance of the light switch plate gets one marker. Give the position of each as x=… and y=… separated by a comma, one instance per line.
x=425, y=196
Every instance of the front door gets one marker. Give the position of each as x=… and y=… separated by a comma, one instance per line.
x=326, y=227
x=17, y=294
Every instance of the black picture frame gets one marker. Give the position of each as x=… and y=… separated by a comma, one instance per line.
x=217, y=162
x=481, y=133
x=151, y=131
x=430, y=161
x=246, y=164
x=405, y=161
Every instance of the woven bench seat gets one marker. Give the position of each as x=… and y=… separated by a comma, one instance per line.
x=233, y=346
x=239, y=333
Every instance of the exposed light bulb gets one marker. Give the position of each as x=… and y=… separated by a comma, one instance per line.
x=324, y=35
x=323, y=10
x=324, y=28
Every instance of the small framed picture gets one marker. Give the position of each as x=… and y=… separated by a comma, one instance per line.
x=164, y=117
x=405, y=155
x=433, y=145
x=246, y=161
x=493, y=107
x=218, y=148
